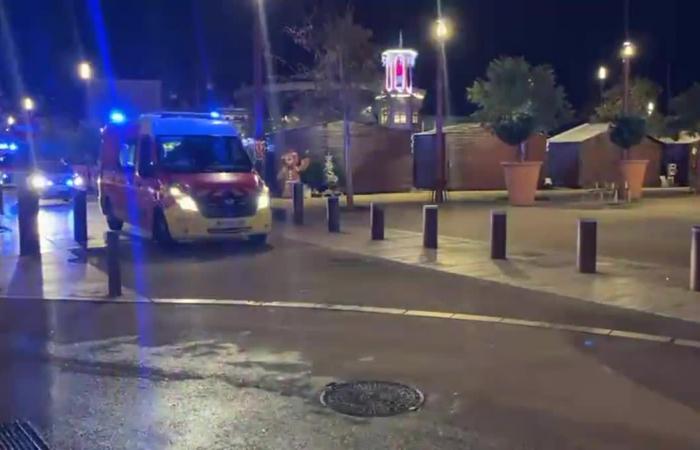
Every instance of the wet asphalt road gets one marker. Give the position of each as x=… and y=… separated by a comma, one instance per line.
x=144, y=376
x=100, y=375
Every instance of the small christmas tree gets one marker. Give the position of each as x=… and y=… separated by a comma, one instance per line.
x=329, y=173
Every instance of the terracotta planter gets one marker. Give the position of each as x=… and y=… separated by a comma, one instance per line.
x=633, y=172
x=521, y=181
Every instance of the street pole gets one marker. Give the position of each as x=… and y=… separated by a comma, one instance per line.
x=258, y=88
x=626, y=87
x=439, y=133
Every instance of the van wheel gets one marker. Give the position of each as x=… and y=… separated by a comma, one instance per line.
x=258, y=240
x=161, y=232
x=113, y=223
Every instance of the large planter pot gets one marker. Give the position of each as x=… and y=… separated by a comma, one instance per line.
x=521, y=181
x=633, y=172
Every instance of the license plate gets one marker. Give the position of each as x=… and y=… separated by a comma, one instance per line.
x=230, y=223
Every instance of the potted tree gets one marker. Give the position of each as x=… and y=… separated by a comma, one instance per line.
x=515, y=101
x=626, y=131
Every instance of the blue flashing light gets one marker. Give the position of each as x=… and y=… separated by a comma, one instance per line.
x=116, y=116
x=215, y=115
x=8, y=146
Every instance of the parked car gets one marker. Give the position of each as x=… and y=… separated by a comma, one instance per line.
x=50, y=179
x=182, y=177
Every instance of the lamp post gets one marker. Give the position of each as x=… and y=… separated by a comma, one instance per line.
x=651, y=106
x=441, y=32
x=602, y=78
x=627, y=52
x=28, y=104
x=85, y=73
x=259, y=89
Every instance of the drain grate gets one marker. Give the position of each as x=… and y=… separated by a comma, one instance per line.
x=371, y=398
x=20, y=436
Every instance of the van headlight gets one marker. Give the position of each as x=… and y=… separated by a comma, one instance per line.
x=38, y=182
x=264, y=199
x=183, y=200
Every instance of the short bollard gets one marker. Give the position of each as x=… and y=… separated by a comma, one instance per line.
x=298, y=203
x=498, y=235
x=333, y=214
x=430, y=226
x=376, y=222
x=27, y=220
x=587, y=246
x=114, y=270
x=695, y=260
x=80, y=217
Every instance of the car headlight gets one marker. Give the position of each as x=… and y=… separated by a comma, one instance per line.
x=78, y=181
x=264, y=199
x=184, y=201
x=38, y=182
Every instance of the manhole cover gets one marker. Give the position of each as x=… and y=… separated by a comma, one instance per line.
x=20, y=436
x=371, y=398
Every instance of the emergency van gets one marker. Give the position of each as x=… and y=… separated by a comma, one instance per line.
x=181, y=177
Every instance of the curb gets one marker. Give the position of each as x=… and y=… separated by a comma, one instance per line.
x=439, y=315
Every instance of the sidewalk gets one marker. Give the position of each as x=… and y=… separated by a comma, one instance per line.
x=642, y=287
x=563, y=194
x=62, y=270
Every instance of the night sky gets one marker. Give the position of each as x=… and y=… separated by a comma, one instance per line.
x=188, y=43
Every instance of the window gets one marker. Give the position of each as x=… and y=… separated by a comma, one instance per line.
x=145, y=158
x=400, y=118
x=197, y=154
x=415, y=117
x=384, y=116
x=127, y=155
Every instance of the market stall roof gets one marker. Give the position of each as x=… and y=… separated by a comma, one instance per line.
x=580, y=133
x=683, y=138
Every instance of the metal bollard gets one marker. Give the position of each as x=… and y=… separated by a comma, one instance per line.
x=376, y=222
x=587, y=247
x=498, y=235
x=695, y=260
x=430, y=226
x=80, y=233
x=298, y=203
x=333, y=214
x=114, y=270
x=27, y=220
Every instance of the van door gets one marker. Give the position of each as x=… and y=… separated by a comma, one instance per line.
x=146, y=185
x=120, y=180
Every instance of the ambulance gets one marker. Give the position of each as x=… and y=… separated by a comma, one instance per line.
x=181, y=177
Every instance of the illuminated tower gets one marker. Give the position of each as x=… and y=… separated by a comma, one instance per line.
x=400, y=103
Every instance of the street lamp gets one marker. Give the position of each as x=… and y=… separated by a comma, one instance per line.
x=11, y=121
x=627, y=52
x=602, y=77
x=441, y=32
x=651, y=106
x=85, y=71
x=28, y=104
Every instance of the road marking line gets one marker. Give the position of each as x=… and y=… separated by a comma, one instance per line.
x=445, y=315
x=640, y=336
x=432, y=314
x=686, y=343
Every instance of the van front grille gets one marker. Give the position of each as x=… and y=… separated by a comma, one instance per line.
x=216, y=206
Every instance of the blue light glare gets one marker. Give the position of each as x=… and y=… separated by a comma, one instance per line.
x=116, y=116
x=215, y=115
x=5, y=146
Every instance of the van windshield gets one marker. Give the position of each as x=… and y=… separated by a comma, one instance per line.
x=197, y=154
